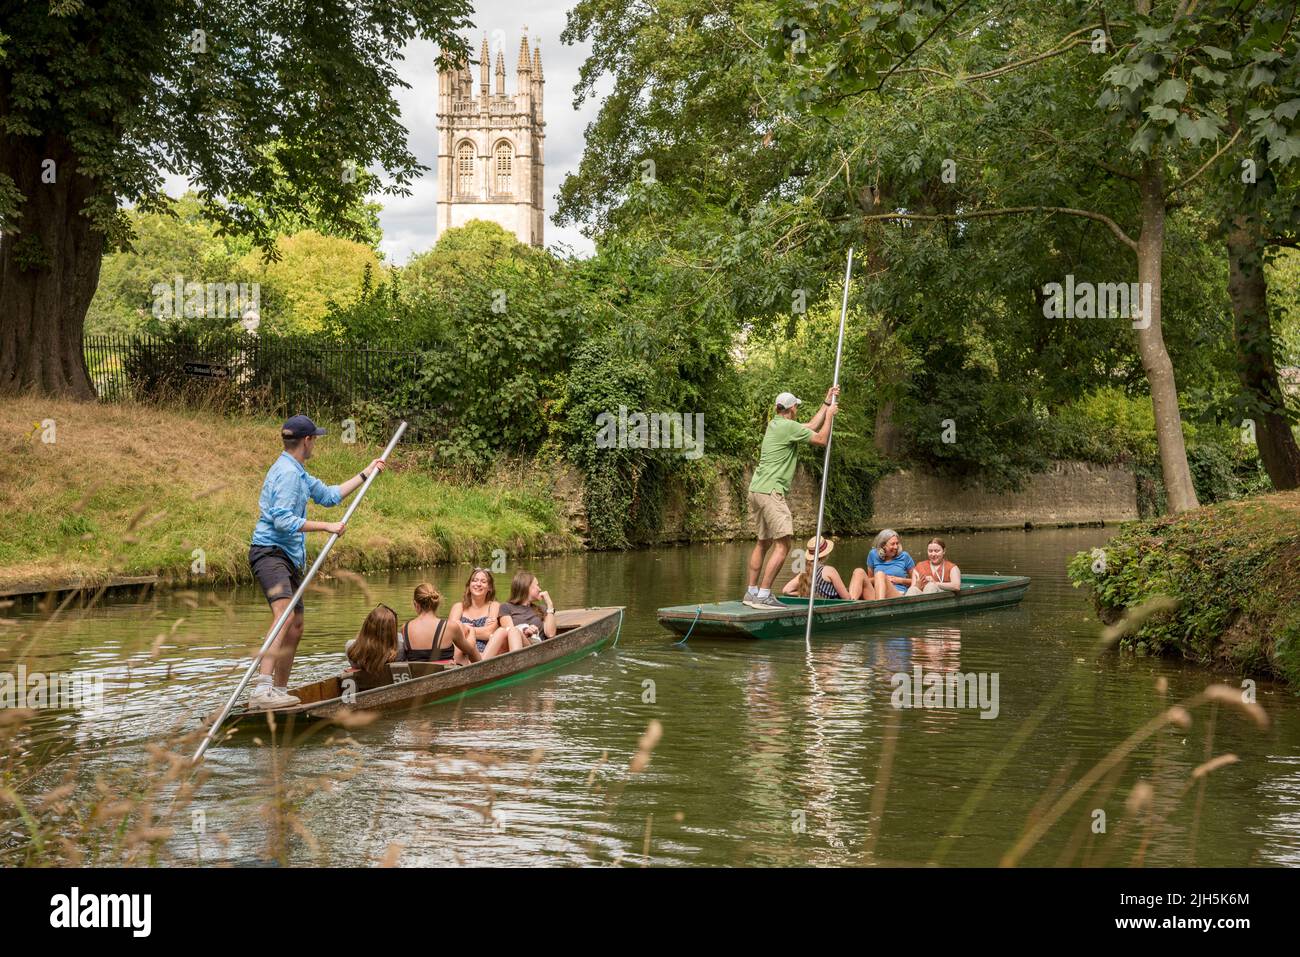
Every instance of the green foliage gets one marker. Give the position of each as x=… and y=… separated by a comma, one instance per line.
x=856, y=469
x=681, y=111
x=959, y=419
x=309, y=272
x=1109, y=427
x=304, y=272
x=493, y=352
x=1284, y=282
x=176, y=241
x=346, y=213
x=1106, y=426
x=460, y=254
x=604, y=377
x=1230, y=569
x=1214, y=472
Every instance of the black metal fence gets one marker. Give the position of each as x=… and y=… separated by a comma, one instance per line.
x=253, y=373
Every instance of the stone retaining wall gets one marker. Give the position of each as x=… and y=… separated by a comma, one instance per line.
x=1070, y=493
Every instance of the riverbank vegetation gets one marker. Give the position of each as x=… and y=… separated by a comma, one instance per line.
x=1231, y=569
x=141, y=490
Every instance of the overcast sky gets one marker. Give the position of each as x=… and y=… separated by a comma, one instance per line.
x=408, y=222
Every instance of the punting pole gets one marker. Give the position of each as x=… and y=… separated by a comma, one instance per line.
x=293, y=602
x=826, y=462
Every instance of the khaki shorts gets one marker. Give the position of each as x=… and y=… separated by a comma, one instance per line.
x=771, y=515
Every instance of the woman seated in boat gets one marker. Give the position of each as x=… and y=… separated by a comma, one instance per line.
x=829, y=582
x=377, y=643
x=426, y=637
x=477, y=612
x=526, y=619
x=889, y=566
x=936, y=574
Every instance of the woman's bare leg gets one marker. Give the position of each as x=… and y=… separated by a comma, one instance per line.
x=860, y=587
x=497, y=644
x=515, y=637
x=884, y=587
x=464, y=645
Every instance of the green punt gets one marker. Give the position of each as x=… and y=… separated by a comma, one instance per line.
x=406, y=685
x=734, y=619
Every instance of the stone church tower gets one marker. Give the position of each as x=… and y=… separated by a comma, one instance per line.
x=490, y=147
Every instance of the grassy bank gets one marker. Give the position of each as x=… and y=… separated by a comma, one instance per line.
x=135, y=490
x=1233, y=568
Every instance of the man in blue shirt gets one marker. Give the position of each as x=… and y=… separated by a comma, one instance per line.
x=278, y=554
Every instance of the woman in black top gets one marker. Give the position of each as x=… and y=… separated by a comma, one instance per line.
x=430, y=638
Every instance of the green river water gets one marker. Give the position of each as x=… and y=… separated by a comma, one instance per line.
x=770, y=754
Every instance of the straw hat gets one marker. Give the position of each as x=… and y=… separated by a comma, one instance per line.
x=828, y=546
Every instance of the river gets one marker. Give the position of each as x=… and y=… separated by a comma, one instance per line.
x=770, y=754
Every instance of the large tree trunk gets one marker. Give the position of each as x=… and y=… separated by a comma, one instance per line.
x=49, y=268
x=1248, y=288
x=887, y=437
x=1180, y=493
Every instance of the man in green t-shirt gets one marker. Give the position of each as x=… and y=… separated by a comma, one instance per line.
x=771, y=482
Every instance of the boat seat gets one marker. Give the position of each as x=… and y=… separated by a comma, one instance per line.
x=366, y=680
x=402, y=670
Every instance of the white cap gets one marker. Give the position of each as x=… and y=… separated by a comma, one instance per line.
x=788, y=400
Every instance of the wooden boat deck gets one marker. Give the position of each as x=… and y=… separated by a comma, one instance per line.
x=734, y=619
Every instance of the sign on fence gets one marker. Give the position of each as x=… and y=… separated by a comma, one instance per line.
x=207, y=370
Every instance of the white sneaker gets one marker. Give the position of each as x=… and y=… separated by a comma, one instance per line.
x=271, y=699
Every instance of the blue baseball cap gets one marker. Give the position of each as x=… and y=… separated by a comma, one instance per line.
x=299, y=426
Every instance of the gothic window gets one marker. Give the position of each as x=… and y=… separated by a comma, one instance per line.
x=504, y=163
x=465, y=169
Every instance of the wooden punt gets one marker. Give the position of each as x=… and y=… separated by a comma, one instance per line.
x=734, y=619
x=410, y=684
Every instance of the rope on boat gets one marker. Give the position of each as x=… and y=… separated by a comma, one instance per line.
x=619, y=630
x=699, y=610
